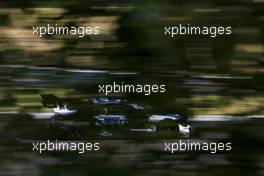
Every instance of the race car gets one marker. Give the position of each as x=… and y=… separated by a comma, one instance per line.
x=109, y=116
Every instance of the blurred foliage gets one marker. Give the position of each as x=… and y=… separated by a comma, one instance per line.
x=228, y=68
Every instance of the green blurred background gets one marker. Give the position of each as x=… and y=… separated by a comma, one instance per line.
x=204, y=75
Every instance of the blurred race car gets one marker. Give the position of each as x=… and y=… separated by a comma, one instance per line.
x=109, y=116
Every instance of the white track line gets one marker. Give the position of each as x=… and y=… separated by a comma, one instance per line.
x=68, y=70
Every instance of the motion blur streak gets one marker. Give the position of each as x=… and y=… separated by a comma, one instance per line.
x=209, y=79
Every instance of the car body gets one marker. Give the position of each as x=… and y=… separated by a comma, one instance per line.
x=109, y=116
